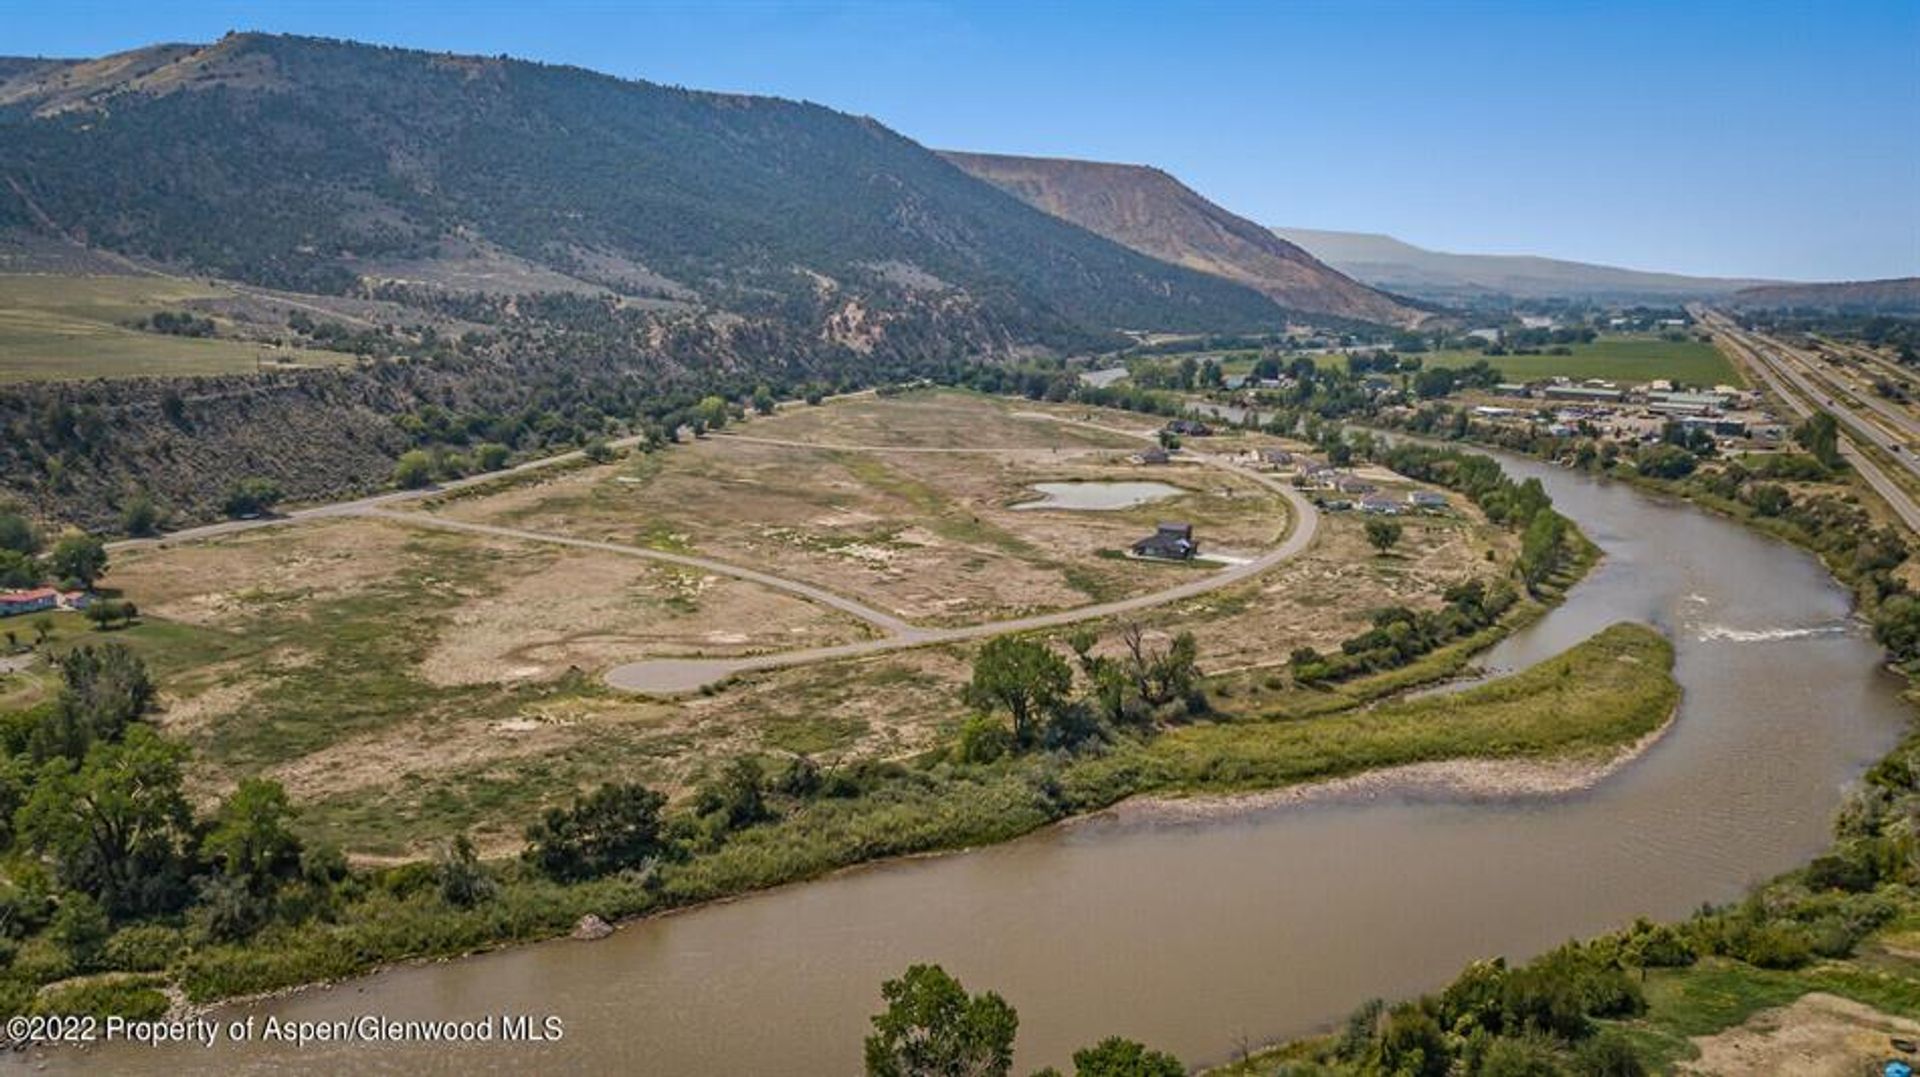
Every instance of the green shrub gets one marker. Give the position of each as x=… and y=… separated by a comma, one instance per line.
x=143, y=947
x=41, y=960
x=984, y=739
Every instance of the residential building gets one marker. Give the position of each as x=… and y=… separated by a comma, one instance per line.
x=1169, y=542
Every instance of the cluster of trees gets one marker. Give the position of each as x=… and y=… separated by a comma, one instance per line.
x=1523, y=506
x=1497, y=1021
x=932, y=1027
x=1440, y=381
x=180, y=324
x=1398, y=635
x=75, y=559
x=1048, y=707
x=104, y=847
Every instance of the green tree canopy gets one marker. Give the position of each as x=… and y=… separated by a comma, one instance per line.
x=1382, y=535
x=117, y=826
x=615, y=827
x=252, y=840
x=1116, y=1057
x=933, y=1028
x=1023, y=677
x=78, y=557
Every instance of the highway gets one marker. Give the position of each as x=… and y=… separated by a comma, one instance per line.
x=1790, y=375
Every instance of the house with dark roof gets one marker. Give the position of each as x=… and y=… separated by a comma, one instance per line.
x=1427, y=499
x=1192, y=428
x=1169, y=542
x=1379, y=505
x=1152, y=456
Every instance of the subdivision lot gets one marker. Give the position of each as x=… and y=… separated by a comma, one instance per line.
x=406, y=682
x=932, y=536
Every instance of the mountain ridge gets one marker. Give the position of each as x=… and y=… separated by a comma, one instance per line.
x=307, y=163
x=1148, y=209
x=1891, y=295
x=1388, y=262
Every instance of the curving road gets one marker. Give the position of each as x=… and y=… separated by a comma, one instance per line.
x=672, y=676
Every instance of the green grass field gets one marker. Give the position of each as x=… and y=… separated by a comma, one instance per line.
x=1623, y=357
x=58, y=327
x=1614, y=358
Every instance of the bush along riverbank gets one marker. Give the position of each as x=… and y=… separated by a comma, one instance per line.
x=206, y=905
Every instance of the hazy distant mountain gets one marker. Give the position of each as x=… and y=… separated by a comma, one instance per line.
x=1900, y=296
x=1155, y=214
x=313, y=164
x=1388, y=263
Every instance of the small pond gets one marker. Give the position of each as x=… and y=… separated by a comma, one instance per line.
x=1098, y=496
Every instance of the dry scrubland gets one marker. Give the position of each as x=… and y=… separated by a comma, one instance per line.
x=405, y=682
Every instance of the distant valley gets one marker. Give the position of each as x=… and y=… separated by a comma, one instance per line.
x=1385, y=262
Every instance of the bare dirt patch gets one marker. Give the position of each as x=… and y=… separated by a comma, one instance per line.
x=223, y=582
x=587, y=610
x=1324, y=596
x=1819, y=1035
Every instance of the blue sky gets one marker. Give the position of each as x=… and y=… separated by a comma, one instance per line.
x=1753, y=138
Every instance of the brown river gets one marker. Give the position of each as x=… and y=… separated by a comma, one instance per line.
x=1202, y=935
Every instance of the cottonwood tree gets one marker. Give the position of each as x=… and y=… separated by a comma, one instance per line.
x=1383, y=535
x=615, y=827
x=933, y=1028
x=1117, y=1057
x=1022, y=676
x=117, y=826
x=81, y=558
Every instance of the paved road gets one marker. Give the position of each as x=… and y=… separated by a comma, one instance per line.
x=1803, y=395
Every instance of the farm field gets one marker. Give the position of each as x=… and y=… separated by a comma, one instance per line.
x=406, y=682
x=1623, y=357
x=1612, y=358
x=56, y=327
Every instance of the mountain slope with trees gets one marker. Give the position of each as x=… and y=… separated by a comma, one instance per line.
x=300, y=163
x=522, y=254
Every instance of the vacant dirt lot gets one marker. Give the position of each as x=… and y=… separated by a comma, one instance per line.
x=931, y=536
x=518, y=610
x=1819, y=1035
